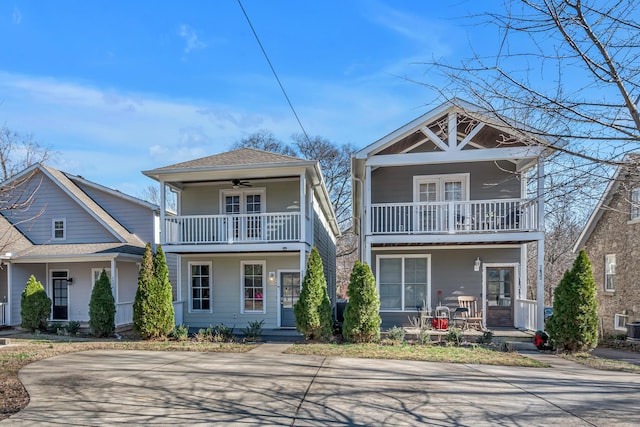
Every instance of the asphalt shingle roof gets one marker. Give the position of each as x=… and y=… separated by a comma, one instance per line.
x=240, y=157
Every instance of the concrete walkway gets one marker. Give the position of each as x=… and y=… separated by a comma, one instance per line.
x=266, y=387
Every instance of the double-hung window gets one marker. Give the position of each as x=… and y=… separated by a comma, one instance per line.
x=609, y=272
x=635, y=203
x=58, y=229
x=403, y=282
x=200, y=286
x=253, y=281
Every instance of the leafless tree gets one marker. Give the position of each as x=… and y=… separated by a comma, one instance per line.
x=266, y=141
x=569, y=71
x=151, y=193
x=19, y=151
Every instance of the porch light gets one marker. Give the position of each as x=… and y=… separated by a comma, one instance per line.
x=70, y=280
x=272, y=276
x=477, y=264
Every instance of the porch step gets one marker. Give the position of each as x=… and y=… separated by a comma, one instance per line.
x=521, y=345
x=5, y=341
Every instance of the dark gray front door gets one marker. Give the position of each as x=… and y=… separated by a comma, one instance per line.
x=289, y=294
x=60, y=295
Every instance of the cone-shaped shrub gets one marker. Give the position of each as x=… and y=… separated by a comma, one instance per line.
x=35, y=306
x=144, y=318
x=164, y=307
x=102, y=308
x=362, y=313
x=313, y=309
x=573, y=326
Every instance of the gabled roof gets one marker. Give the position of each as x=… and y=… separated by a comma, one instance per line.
x=425, y=128
x=236, y=158
x=116, y=193
x=85, y=202
x=605, y=199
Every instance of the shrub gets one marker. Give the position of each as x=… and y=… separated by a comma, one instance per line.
x=454, y=336
x=73, y=327
x=35, y=306
x=102, y=308
x=204, y=335
x=153, y=307
x=396, y=334
x=573, y=327
x=180, y=332
x=424, y=336
x=361, y=315
x=486, y=338
x=253, y=331
x=313, y=309
x=222, y=333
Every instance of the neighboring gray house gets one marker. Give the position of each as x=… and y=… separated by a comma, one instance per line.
x=65, y=230
x=441, y=204
x=610, y=239
x=245, y=224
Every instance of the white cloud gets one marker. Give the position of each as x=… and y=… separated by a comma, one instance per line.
x=16, y=16
x=191, y=39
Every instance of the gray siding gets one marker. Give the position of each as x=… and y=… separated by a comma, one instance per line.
x=205, y=199
x=226, y=299
x=451, y=272
x=327, y=250
x=21, y=274
x=49, y=203
x=486, y=180
x=136, y=218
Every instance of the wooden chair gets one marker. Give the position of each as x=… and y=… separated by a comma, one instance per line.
x=473, y=314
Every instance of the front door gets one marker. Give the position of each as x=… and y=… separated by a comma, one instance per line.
x=289, y=294
x=500, y=282
x=60, y=286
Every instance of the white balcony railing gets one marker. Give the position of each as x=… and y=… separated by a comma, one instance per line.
x=244, y=228
x=4, y=308
x=455, y=217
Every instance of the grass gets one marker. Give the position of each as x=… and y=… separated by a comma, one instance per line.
x=596, y=362
x=426, y=353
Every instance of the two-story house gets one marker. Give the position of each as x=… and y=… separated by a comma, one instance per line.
x=64, y=230
x=245, y=224
x=443, y=208
x=610, y=238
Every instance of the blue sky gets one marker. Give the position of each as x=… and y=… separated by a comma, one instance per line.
x=116, y=87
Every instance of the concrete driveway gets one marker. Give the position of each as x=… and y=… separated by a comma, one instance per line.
x=265, y=387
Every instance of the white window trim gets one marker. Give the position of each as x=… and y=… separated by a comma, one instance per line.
x=420, y=179
x=64, y=228
x=403, y=256
x=607, y=273
x=210, y=265
x=243, y=193
x=264, y=287
x=620, y=322
x=95, y=275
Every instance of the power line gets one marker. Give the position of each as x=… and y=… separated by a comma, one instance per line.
x=264, y=52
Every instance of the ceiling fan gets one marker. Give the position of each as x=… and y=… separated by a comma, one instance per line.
x=237, y=183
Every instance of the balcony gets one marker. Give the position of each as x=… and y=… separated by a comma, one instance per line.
x=475, y=216
x=230, y=229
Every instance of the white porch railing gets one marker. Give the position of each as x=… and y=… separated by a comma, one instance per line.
x=242, y=228
x=526, y=314
x=178, y=312
x=471, y=216
x=4, y=307
x=124, y=313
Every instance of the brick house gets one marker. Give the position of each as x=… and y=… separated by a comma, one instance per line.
x=610, y=238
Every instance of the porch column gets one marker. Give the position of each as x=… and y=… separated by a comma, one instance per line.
x=114, y=280
x=540, y=244
x=303, y=209
x=163, y=207
x=367, y=202
x=8, y=307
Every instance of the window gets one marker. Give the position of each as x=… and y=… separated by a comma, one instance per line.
x=200, y=282
x=95, y=275
x=253, y=286
x=436, y=189
x=403, y=282
x=59, y=229
x=620, y=322
x=635, y=203
x=609, y=272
